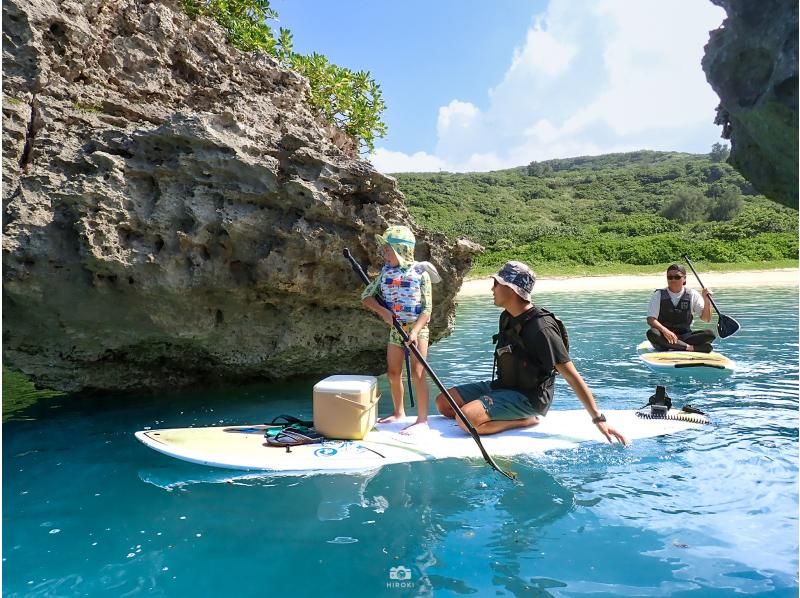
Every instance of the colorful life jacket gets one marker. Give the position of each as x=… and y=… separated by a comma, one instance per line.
x=401, y=289
x=677, y=318
x=519, y=369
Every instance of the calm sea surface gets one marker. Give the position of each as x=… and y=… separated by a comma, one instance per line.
x=87, y=510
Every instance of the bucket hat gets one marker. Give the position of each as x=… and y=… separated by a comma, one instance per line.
x=517, y=276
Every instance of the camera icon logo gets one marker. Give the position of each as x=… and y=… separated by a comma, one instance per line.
x=400, y=573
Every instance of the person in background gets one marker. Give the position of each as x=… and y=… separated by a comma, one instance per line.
x=531, y=347
x=671, y=312
x=405, y=287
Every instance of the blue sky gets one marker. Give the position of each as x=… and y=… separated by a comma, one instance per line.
x=476, y=86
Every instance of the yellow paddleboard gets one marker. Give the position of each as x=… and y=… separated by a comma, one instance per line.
x=689, y=361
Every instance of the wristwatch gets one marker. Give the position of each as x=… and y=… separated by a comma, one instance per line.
x=600, y=418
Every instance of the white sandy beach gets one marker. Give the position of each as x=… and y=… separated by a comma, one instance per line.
x=783, y=277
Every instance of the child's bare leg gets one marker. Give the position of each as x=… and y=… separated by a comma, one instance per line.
x=394, y=372
x=418, y=375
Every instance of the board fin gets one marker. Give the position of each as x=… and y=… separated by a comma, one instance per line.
x=659, y=406
x=294, y=435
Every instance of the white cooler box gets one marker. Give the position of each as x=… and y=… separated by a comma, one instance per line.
x=345, y=406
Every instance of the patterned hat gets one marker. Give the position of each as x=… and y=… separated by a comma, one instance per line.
x=402, y=241
x=517, y=276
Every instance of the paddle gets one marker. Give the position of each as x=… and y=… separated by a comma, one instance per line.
x=399, y=328
x=726, y=326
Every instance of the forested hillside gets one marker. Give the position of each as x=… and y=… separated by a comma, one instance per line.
x=641, y=209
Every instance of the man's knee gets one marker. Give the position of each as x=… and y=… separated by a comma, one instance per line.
x=476, y=413
x=444, y=406
x=657, y=339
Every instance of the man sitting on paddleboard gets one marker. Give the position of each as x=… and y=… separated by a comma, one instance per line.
x=671, y=312
x=530, y=349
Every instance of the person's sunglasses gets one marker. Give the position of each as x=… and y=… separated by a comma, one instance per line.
x=674, y=277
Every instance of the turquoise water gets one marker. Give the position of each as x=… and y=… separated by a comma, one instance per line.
x=87, y=510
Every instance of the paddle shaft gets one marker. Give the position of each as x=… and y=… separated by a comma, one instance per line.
x=710, y=298
x=399, y=328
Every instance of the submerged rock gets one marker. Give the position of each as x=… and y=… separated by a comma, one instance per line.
x=751, y=62
x=174, y=212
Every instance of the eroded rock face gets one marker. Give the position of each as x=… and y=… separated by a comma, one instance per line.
x=174, y=212
x=751, y=62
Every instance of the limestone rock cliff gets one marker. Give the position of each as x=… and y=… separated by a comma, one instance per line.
x=174, y=212
x=751, y=62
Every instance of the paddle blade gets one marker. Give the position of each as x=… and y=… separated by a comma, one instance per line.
x=727, y=326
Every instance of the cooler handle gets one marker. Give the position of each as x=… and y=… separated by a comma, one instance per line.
x=361, y=406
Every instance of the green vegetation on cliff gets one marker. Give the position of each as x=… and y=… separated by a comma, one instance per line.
x=349, y=100
x=635, y=209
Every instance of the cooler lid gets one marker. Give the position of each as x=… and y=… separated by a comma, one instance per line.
x=346, y=383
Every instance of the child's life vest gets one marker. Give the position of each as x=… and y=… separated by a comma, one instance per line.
x=401, y=289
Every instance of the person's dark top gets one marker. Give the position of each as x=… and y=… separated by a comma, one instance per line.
x=536, y=347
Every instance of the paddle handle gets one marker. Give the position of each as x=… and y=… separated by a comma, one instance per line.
x=697, y=276
x=399, y=328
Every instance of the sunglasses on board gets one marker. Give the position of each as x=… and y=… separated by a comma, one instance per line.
x=674, y=276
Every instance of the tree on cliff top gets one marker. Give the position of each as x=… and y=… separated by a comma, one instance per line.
x=351, y=101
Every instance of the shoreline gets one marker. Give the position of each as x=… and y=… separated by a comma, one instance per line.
x=781, y=277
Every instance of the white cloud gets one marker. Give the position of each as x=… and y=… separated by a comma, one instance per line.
x=388, y=161
x=590, y=78
x=456, y=115
x=543, y=53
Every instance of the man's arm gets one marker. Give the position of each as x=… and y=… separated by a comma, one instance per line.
x=705, y=315
x=653, y=311
x=668, y=335
x=581, y=389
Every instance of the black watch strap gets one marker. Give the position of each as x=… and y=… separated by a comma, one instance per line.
x=598, y=419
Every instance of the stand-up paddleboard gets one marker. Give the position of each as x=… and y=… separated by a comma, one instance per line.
x=686, y=362
x=244, y=447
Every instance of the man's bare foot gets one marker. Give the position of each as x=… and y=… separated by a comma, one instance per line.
x=415, y=427
x=389, y=419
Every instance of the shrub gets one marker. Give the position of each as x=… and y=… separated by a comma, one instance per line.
x=714, y=250
x=349, y=100
x=719, y=152
x=689, y=205
x=639, y=225
x=727, y=205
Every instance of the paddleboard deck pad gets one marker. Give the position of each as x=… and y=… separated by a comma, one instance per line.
x=687, y=361
x=245, y=447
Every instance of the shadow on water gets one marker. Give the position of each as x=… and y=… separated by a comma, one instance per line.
x=249, y=403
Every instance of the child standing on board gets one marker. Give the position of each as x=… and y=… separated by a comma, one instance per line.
x=405, y=287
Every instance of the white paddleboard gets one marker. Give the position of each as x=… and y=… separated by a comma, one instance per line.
x=244, y=447
x=688, y=362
